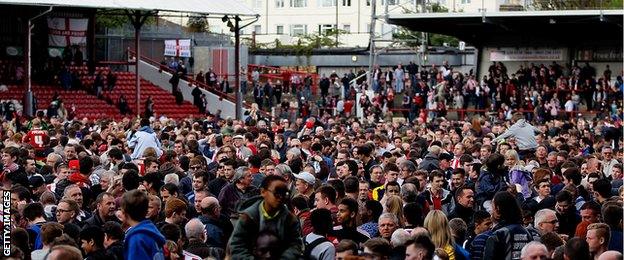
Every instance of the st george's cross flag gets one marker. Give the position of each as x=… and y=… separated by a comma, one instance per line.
x=67, y=31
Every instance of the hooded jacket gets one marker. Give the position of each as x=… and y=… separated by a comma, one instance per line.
x=243, y=239
x=524, y=134
x=144, y=241
x=429, y=163
x=142, y=139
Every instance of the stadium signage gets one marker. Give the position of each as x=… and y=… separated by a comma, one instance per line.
x=526, y=55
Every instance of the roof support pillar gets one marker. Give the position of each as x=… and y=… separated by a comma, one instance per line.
x=138, y=18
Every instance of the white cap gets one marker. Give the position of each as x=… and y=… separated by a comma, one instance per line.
x=306, y=176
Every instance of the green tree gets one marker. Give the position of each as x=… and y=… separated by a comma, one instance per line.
x=197, y=24
x=576, y=4
x=116, y=19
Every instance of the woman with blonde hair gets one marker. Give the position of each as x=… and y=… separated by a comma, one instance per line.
x=437, y=225
x=394, y=204
x=518, y=175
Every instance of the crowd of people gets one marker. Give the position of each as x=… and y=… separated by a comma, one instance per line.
x=541, y=91
x=320, y=187
x=521, y=183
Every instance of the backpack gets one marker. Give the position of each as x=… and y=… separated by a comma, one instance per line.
x=310, y=246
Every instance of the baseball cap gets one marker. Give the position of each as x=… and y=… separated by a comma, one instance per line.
x=306, y=176
x=36, y=181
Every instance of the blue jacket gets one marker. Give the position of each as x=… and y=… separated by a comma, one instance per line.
x=144, y=241
x=142, y=139
x=615, y=243
x=488, y=185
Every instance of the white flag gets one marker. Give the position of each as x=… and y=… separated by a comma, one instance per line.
x=67, y=31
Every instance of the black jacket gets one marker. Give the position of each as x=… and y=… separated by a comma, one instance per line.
x=462, y=212
x=116, y=249
x=507, y=241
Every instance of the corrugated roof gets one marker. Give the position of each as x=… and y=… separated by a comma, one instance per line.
x=205, y=7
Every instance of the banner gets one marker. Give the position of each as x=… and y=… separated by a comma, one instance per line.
x=526, y=55
x=67, y=31
x=600, y=55
x=178, y=48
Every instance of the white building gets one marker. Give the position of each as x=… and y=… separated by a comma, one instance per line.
x=286, y=20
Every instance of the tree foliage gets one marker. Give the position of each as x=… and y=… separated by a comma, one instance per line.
x=576, y=4
x=304, y=45
x=116, y=19
x=197, y=24
x=414, y=38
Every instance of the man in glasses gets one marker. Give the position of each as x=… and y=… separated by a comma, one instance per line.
x=270, y=212
x=608, y=161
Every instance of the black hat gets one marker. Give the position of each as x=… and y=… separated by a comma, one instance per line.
x=305, y=138
x=445, y=156
x=36, y=181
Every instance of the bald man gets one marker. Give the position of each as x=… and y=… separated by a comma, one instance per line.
x=218, y=228
x=534, y=250
x=610, y=255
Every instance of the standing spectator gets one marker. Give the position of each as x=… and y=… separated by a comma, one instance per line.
x=509, y=236
x=197, y=98
x=111, y=80
x=122, y=104
x=269, y=213
x=98, y=84
x=142, y=138
x=174, y=81
x=524, y=133
x=347, y=217
x=92, y=243
x=236, y=192
x=420, y=247
x=196, y=236
x=200, y=79
x=143, y=240
x=113, y=239
x=598, y=235
x=316, y=244
x=399, y=76
x=437, y=224
x=149, y=107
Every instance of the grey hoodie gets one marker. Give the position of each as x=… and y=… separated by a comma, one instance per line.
x=524, y=134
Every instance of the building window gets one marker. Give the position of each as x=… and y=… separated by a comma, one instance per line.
x=258, y=29
x=346, y=2
x=368, y=2
x=279, y=3
x=327, y=3
x=324, y=28
x=279, y=29
x=298, y=3
x=257, y=3
x=390, y=2
x=346, y=28
x=298, y=29
x=465, y=2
